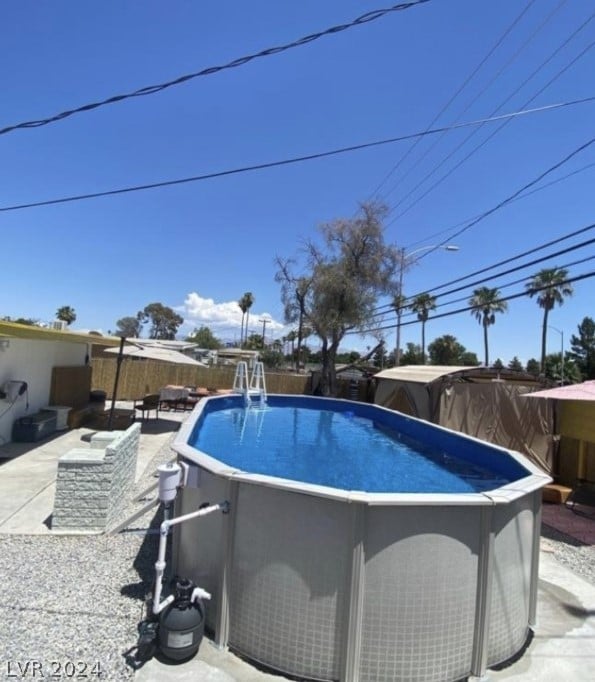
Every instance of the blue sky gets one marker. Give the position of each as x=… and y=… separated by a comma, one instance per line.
x=198, y=247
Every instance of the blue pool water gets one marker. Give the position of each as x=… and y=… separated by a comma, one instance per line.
x=341, y=449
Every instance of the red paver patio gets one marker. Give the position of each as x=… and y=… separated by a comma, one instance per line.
x=577, y=525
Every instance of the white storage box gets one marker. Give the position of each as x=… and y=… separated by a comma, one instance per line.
x=61, y=415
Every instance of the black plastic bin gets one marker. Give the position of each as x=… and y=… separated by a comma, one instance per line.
x=34, y=427
x=97, y=396
x=97, y=399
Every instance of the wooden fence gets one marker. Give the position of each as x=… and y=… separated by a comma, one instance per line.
x=140, y=377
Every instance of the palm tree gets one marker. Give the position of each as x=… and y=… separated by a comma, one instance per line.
x=243, y=308
x=66, y=314
x=485, y=303
x=245, y=303
x=551, y=287
x=248, y=300
x=291, y=337
x=422, y=305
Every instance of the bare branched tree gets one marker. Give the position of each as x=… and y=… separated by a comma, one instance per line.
x=340, y=283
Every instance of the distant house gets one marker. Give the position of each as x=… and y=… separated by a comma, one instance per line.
x=353, y=381
x=231, y=356
x=183, y=347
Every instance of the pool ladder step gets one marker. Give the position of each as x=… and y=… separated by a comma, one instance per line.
x=250, y=387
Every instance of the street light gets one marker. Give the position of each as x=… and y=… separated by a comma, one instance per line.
x=403, y=256
x=561, y=352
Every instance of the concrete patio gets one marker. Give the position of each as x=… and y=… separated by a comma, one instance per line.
x=28, y=471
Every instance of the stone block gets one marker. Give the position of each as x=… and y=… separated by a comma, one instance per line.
x=92, y=483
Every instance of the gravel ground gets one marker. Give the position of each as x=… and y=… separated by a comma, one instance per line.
x=571, y=553
x=70, y=606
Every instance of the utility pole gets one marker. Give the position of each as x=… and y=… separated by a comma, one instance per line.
x=405, y=259
x=264, y=321
x=561, y=352
x=400, y=307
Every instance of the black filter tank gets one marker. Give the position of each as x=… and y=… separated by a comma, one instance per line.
x=181, y=624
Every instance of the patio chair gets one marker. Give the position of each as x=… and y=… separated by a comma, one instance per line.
x=148, y=403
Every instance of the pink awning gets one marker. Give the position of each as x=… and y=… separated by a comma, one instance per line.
x=584, y=391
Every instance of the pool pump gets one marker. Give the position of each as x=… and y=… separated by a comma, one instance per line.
x=175, y=625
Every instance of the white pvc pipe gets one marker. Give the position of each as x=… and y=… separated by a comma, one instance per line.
x=160, y=564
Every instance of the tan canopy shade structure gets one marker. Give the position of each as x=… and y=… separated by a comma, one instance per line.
x=480, y=401
x=577, y=429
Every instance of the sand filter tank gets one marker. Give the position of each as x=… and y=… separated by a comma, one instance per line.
x=181, y=623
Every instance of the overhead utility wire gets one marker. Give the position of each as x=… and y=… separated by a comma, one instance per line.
x=284, y=162
x=535, y=261
x=495, y=132
x=527, y=278
x=526, y=253
x=455, y=95
x=570, y=280
x=472, y=102
x=409, y=313
x=508, y=200
x=500, y=205
x=389, y=306
x=519, y=198
x=470, y=308
x=518, y=256
x=515, y=281
x=240, y=61
x=511, y=297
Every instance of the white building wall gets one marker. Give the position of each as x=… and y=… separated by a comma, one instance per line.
x=32, y=361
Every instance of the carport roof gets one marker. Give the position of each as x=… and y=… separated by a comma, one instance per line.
x=26, y=331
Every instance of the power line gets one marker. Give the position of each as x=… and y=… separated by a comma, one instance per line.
x=519, y=198
x=286, y=162
x=535, y=261
x=570, y=280
x=503, y=203
x=456, y=94
x=514, y=282
x=511, y=297
x=503, y=262
x=513, y=196
x=470, y=104
x=240, y=61
x=508, y=272
x=510, y=259
x=495, y=132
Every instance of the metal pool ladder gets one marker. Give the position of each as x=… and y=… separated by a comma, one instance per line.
x=254, y=387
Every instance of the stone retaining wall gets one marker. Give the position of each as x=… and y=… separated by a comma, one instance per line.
x=93, y=483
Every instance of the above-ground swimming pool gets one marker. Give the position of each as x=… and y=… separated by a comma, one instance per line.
x=361, y=544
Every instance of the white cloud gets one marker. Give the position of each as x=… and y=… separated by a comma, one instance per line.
x=224, y=319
